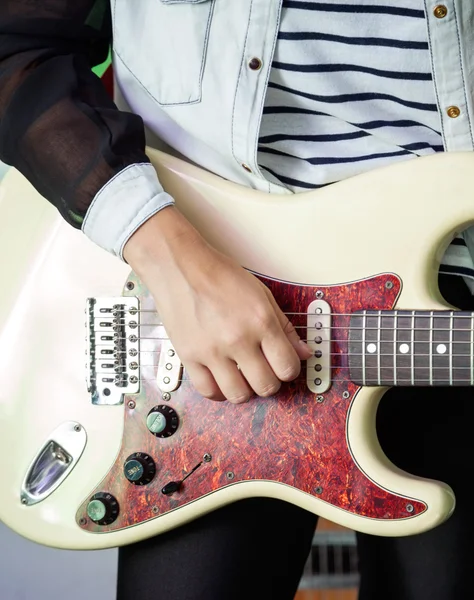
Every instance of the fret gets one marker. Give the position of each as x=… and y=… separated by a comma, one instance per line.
x=440, y=348
x=422, y=348
x=412, y=344
x=450, y=349
x=472, y=350
x=404, y=348
x=364, y=329
x=386, y=347
x=379, y=358
x=355, y=348
x=461, y=349
x=431, y=346
x=371, y=348
x=395, y=324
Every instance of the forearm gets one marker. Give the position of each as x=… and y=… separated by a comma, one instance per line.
x=60, y=128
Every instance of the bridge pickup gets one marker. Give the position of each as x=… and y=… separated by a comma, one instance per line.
x=112, y=349
x=170, y=369
x=318, y=367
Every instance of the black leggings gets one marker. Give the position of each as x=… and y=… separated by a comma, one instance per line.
x=256, y=549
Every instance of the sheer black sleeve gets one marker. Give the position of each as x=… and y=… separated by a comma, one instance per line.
x=58, y=125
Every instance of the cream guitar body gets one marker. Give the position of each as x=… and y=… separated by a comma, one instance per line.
x=122, y=448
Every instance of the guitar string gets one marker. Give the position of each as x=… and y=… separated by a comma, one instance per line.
x=339, y=341
x=323, y=327
x=343, y=379
x=375, y=354
x=370, y=312
x=335, y=367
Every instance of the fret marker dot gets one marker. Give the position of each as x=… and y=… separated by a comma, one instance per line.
x=404, y=348
x=441, y=349
x=371, y=348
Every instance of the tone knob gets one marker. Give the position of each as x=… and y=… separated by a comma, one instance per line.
x=162, y=421
x=103, y=508
x=139, y=468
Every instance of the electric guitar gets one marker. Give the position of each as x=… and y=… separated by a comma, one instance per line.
x=104, y=440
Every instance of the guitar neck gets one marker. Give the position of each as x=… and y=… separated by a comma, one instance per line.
x=411, y=348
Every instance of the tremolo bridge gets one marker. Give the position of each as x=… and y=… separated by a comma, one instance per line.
x=112, y=348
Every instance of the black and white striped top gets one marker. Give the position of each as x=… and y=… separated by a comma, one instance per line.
x=350, y=90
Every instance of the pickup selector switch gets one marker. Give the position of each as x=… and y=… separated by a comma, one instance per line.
x=139, y=468
x=162, y=421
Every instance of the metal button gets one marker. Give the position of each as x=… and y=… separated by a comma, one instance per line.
x=440, y=11
x=247, y=168
x=255, y=64
x=453, y=112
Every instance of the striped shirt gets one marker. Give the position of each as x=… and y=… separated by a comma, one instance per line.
x=350, y=90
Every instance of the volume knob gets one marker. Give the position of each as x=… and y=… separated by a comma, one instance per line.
x=162, y=421
x=103, y=508
x=139, y=468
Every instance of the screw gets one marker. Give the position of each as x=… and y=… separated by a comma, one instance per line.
x=207, y=457
x=166, y=379
x=155, y=510
x=319, y=294
x=345, y=395
x=133, y=352
x=409, y=508
x=82, y=521
x=133, y=379
x=171, y=352
x=389, y=285
x=133, y=365
x=24, y=501
x=77, y=428
x=318, y=490
x=229, y=475
x=318, y=311
x=320, y=399
x=130, y=285
x=166, y=396
x=131, y=404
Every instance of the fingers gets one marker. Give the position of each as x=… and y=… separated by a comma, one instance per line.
x=204, y=382
x=283, y=348
x=267, y=349
x=221, y=381
x=230, y=380
x=258, y=373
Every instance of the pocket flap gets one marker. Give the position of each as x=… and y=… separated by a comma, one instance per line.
x=183, y=1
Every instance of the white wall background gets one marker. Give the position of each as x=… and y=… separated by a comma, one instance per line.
x=32, y=572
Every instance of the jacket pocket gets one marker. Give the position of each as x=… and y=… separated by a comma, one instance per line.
x=163, y=43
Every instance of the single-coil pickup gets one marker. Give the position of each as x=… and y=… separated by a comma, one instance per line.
x=169, y=373
x=318, y=366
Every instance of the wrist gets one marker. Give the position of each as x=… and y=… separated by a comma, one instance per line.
x=159, y=239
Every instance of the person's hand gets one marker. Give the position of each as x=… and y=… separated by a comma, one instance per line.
x=223, y=322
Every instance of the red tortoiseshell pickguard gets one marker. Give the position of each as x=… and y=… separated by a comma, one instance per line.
x=289, y=438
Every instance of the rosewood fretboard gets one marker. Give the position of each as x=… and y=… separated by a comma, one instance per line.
x=422, y=348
